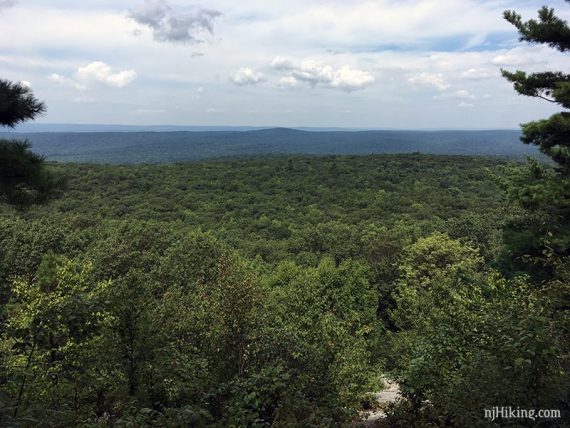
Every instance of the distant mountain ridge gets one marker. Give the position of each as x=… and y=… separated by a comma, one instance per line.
x=74, y=127
x=70, y=127
x=182, y=146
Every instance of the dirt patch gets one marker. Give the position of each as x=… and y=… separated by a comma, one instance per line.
x=373, y=417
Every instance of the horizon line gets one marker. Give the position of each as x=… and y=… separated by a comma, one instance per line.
x=249, y=127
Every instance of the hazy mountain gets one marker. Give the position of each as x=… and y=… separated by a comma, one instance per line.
x=179, y=146
x=70, y=127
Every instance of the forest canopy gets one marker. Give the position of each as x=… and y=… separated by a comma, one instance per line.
x=289, y=291
x=273, y=291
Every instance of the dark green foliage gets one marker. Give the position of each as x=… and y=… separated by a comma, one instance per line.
x=550, y=135
x=263, y=198
x=24, y=179
x=270, y=292
x=548, y=29
x=18, y=104
x=540, y=236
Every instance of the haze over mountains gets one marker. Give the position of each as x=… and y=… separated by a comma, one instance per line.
x=123, y=146
x=35, y=127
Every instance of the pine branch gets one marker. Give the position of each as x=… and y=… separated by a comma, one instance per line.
x=549, y=30
x=18, y=104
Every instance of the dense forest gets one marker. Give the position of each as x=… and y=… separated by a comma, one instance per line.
x=276, y=291
x=290, y=290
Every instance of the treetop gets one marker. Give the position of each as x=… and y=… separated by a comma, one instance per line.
x=548, y=29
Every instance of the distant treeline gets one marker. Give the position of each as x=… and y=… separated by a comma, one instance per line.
x=163, y=147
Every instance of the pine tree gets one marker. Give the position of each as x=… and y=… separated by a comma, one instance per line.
x=18, y=104
x=544, y=190
x=552, y=135
x=23, y=176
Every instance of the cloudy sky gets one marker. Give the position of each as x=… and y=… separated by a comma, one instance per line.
x=351, y=63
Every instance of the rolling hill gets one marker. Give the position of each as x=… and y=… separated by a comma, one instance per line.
x=182, y=146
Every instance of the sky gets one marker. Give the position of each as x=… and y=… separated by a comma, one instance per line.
x=403, y=64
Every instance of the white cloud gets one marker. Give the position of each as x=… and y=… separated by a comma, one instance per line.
x=358, y=34
x=461, y=94
x=62, y=33
x=464, y=104
x=95, y=72
x=100, y=72
x=506, y=59
x=475, y=74
x=169, y=25
x=316, y=73
x=67, y=82
x=520, y=56
x=339, y=25
x=288, y=82
x=435, y=80
x=349, y=79
x=247, y=76
x=282, y=63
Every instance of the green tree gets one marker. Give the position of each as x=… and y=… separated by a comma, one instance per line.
x=23, y=177
x=51, y=344
x=327, y=319
x=550, y=135
x=18, y=104
x=468, y=338
x=541, y=236
x=543, y=190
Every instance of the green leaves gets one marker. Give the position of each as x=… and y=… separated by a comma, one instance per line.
x=468, y=337
x=290, y=305
x=53, y=324
x=330, y=314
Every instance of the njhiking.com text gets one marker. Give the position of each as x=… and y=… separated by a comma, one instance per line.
x=518, y=413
